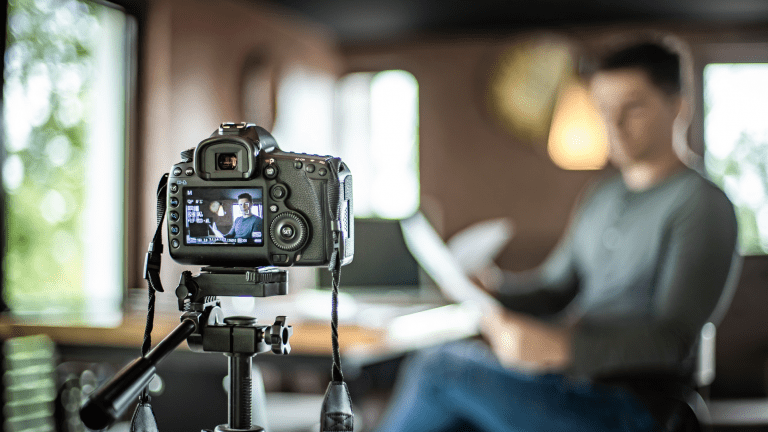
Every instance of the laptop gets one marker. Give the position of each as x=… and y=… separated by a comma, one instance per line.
x=383, y=269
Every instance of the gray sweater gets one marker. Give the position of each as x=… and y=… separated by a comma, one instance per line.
x=243, y=228
x=637, y=274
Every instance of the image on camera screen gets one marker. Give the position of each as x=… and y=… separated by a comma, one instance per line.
x=223, y=216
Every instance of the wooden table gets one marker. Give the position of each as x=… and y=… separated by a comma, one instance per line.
x=309, y=338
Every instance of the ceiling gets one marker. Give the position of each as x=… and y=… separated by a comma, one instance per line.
x=359, y=22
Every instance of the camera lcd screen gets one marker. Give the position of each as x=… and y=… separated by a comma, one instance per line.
x=223, y=216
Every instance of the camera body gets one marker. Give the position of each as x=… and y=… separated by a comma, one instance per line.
x=237, y=200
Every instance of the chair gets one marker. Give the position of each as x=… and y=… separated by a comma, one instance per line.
x=737, y=398
x=690, y=410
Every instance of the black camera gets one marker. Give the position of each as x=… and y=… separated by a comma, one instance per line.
x=237, y=200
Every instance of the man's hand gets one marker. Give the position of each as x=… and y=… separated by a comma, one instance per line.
x=523, y=342
x=489, y=279
x=216, y=232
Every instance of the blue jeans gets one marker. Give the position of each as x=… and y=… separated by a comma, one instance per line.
x=462, y=388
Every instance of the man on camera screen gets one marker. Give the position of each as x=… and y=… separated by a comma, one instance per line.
x=246, y=226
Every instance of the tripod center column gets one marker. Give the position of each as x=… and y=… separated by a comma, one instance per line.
x=240, y=366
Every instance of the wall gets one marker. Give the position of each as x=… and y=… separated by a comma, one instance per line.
x=471, y=169
x=193, y=57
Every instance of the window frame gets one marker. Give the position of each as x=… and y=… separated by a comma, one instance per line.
x=708, y=53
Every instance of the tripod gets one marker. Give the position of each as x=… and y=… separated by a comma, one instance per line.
x=205, y=329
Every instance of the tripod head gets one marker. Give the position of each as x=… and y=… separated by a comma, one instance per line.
x=205, y=329
x=198, y=300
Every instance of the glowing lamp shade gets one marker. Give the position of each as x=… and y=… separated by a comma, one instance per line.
x=577, y=137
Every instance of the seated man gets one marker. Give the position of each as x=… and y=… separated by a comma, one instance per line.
x=624, y=294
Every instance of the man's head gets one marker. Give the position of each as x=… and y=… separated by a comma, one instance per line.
x=244, y=201
x=637, y=91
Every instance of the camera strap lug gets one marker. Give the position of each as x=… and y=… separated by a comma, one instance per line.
x=336, y=233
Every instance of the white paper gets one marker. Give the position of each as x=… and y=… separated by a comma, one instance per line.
x=476, y=246
x=436, y=259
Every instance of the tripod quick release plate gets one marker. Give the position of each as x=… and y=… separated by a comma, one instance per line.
x=195, y=291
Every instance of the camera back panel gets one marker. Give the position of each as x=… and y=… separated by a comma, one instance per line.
x=284, y=213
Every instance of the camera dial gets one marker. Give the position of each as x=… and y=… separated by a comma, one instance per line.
x=288, y=231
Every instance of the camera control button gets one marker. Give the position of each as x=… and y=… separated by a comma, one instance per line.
x=174, y=202
x=177, y=172
x=298, y=164
x=273, y=208
x=174, y=229
x=279, y=192
x=279, y=258
x=287, y=232
x=270, y=171
x=322, y=171
x=189, y=171
x=174, y=188
x=310, y=168
x=174, y=216
x=175, y=243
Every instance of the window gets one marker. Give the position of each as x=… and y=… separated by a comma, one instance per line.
x=377, y=132
x=304, y=119
x=64, y=100
x=369, y=120
x=736, y=150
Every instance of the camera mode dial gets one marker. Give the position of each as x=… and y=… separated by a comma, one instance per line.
x=288, y=231
x=187, y=155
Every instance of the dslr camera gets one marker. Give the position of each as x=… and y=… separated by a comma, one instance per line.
x=237, y=200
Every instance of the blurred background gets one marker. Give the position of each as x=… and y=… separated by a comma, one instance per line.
x=466, y=111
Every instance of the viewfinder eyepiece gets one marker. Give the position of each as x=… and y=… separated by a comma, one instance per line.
x=226, y=161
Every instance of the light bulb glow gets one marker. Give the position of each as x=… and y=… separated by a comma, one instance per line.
x=577, y=138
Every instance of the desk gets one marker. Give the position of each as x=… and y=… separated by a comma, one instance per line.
x=194, y=380
x=309, y=338
x=378, y=332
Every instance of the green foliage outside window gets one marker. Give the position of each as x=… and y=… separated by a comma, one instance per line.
x=736, y=156
x=751, y=156
x=48, y=67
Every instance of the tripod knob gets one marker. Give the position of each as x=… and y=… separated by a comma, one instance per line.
x=279, y=334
